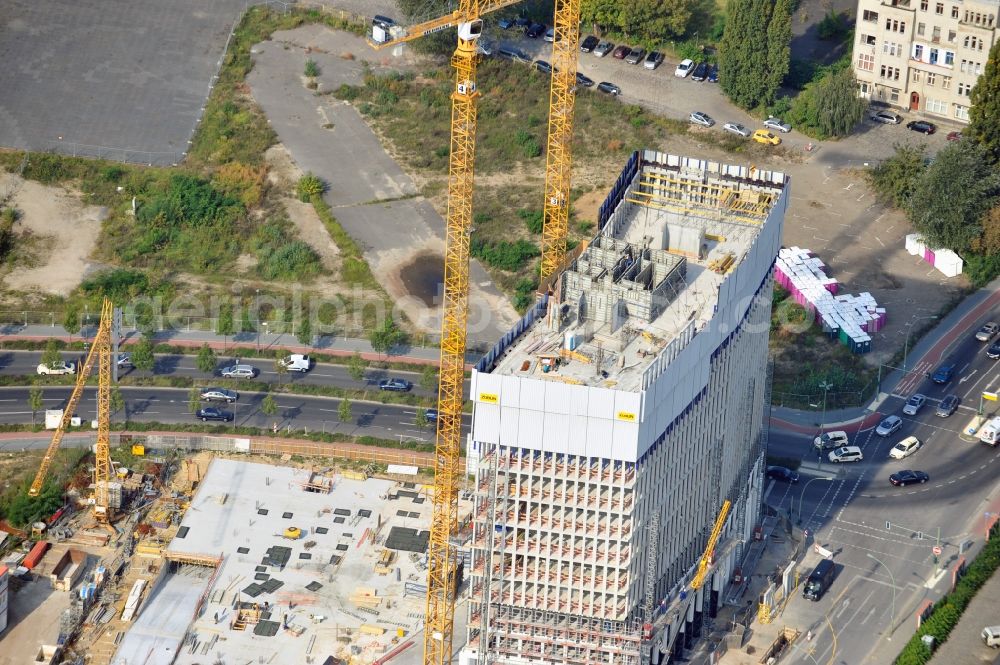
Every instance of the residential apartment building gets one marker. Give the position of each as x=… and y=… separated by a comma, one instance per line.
x=613, y=422
x=923, y=55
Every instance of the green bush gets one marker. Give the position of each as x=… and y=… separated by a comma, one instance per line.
x=311, y=69
x=309, y=186
x=831, y=26
x=289, y=261
x=534, y=219
x=510, y=256
x=119, y=284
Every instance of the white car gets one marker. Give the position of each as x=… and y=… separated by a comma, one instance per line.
x=777, y=125
x=684, y=68
x=296, y=363
x=702, y=119
x=239, y=372
x=905, y=448
x=889, y=425
x=846, y=454
x=830, y=440
x=57, y=368
x=914, y=404
x=736, y=128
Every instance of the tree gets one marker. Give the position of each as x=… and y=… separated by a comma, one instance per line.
x=145, y=320
x=385, y=338
x=51, y=355
x=984, y=116
x=779, y=48
x=356, y=366
x=896, y=178
x=429, y=377
x=304, y=331
x=344, y=410
x=830, y=106
x=247, y=324
x=989, y=242
x=647, y=21
x=744, y=53
x=142, y=354
x=224, y=325
x=206, y=360
x=268, y=406
x=279, y=367
x=117, y=402
x=35, y=402
x=421, y=418
x=953, y=195
x=194, y=399
x=71, y=320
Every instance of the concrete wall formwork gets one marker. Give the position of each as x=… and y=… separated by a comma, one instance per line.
x=4, y=584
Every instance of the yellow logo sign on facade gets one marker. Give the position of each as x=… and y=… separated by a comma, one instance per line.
x=627, y=416
x=489, y=398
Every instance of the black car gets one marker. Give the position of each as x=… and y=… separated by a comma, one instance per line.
x=543, y=66
x=922, y=126
x=944, y=373
x=534, y=31
x=700, y=72
x=395, y=385
x=522, y=22
x=783, y=474
x=513, y=54
x=584, y=80
x=506, y=23
x=588, y=43
x=610, y=88
x=994, y=351
x=713, y=74
x=211, y=413
x=904, y=478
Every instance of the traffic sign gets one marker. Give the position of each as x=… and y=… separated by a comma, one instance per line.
x=936, y=550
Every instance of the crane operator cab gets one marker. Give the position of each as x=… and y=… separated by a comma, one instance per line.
x=382, y=27
x=470, y=32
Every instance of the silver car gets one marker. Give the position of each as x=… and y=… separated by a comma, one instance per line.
x=219, y=395
x=777, y=125
x=603, y=48
x=702, y=119
x=736, y=128
x=239, y=372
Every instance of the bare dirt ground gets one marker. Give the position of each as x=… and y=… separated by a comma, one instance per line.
x=69, y=230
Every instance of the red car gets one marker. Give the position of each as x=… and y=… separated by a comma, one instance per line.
x=621, y=52
x=954, y=136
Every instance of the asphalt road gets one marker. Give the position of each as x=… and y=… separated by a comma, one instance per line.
x=885, y=573
x=170, y=405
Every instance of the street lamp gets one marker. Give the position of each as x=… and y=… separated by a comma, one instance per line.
x=826, y=385
x=892, y=617
x=909, y=331
x=265, y=335
x=802, y=494
x=256, y=313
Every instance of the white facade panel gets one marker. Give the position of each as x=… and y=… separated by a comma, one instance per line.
x=532, y=394
x=600, y=437
x=556, y=438
x=486, y=423
x=487, y=384
x=509, y=422
x=531, y=429
x=602, y=403
x=578, y=428
x=510, y=391
x=559, y=397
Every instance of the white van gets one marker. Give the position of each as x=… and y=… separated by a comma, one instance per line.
x=296, y=363
x=830, y=440
x=990, y=432
x=991, y=636
x=846, y=454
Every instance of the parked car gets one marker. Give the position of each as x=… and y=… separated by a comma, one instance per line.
x=908, y=477
x=922, y=126
x=534, y=31
x=766, y=137
x=621, y=52
x=522, y=22
x=702, y=119
x=783, y=474
x=700, y=72
x=219, y=395
x=506, y=23
x=944, y=373
x=603, y=48
x=585, y=81
x=914, y=404
x=610, y=88
x=58, y=368
x=635, y=56
x=653, y=60
x=736, y=128
x=991, y=636
x=905, y=448
x=395, y=385
x=296, y=362
x=887, y=117
x=212, y=413
x=550, y=35
x=954, y=136
x=993, y=352
x=947, y=406
x=125, y=361
x=846, y=454
x=512, y=53
x=819, y=580
x=889, y=425
x=713, y=74
x=684, y=68
x=777, y=125
x=588, y=43
x=987, y=332
x=239, y=372
x=431, y=415
x=830, y=440
x=542, y=66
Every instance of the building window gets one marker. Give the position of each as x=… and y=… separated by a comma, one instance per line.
x=946, y=83
x=920, y=28
x=936, y=35
x=863, y=86
x=965, y=89
x=954, y=11
x=951, y=36
x=866, y=62
x=936, y=106
x=890, y=73
x=868, y=40
x=892, y=25
x=923, y=5
x=893, y=96
x=961, y=112
x=933, y=56
x=916, y=75
x=989, y=21
x=870, y=16
x=931, y=78
x=918, y=51
x=979, y=68
x=939, y=8
x=949, y=58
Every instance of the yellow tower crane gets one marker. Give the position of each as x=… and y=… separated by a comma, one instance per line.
x=706, y=557
x=441, y=568
x=100, y=352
